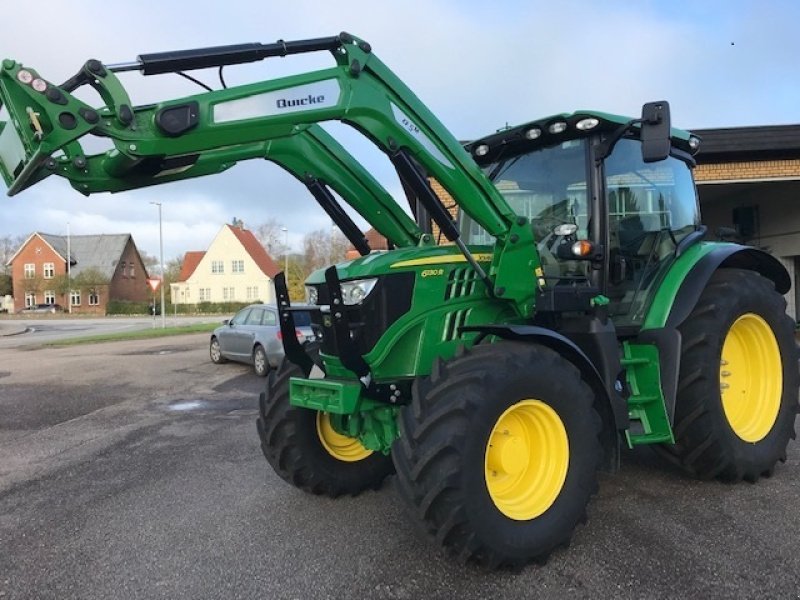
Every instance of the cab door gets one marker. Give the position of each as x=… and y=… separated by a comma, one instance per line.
x=651, y=207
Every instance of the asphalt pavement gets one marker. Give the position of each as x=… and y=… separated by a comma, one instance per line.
x=133, y=470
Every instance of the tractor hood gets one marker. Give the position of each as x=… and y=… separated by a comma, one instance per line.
x=405, y=259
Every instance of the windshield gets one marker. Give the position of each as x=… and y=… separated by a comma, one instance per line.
x=547, y=186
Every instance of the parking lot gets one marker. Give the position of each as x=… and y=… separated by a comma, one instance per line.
x=133, y=470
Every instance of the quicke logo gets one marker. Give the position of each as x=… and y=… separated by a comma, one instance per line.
x=306, y=101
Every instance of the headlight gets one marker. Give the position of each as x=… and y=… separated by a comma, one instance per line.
x=312, y=295
x=354, y=292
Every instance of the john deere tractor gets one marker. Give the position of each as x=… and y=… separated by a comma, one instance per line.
x=494, y=362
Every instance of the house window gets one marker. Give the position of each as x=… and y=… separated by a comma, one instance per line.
x=205, y=294
x=75, y=297
x=237, y=266
x=30, y=299
x=217, y=266
x=30, y=270
x=252, y=292
x=131, y=271
x=49, y=271
x=94, y=298
x=122, y=269
x=228, y=293
x=49, y=297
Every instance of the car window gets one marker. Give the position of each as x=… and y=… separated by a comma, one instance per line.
x=302, y=318
x=255, y=317
x=240, y=317
x=270, y=318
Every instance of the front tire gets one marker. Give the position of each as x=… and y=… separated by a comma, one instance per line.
x=215, y=352
x=260, y=362
x=498, y=453
x=303, y=448
x=738, y=387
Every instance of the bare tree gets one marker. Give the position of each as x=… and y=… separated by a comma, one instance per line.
x=148, y=260
x=271, y=235
x=322, y=248
x=9, y=244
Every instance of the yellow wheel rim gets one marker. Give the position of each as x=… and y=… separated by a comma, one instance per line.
x=527, y=457
x=751, y=377
x=339, y=446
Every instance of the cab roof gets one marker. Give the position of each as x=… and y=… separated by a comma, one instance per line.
x=556, y=129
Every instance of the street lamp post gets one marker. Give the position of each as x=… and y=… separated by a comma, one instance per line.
x=161, y=251
x=285, y=230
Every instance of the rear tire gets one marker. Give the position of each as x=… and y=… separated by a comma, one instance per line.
x=303, y=450
x=498, y=453
x=738, y=387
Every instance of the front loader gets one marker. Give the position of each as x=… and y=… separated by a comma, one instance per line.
x=497, y=362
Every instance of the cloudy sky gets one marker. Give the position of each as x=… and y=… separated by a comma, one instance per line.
x=478, y=66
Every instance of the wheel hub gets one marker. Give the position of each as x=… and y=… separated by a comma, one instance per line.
x=341, y=447
x=751, y=377
x=527, y=457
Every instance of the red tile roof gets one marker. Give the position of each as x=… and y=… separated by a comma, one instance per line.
x=190, y=262
x=375, y=240
x=256, y=251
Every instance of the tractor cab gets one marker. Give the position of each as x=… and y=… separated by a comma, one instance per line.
x=610, y=207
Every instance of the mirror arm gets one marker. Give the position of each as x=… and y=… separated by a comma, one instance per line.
x=604, y=148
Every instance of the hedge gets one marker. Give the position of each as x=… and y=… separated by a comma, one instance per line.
x=124, y=307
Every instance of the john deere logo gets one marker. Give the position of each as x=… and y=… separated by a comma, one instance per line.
x=307, y=101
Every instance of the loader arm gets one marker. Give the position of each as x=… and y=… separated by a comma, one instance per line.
x=209, y=132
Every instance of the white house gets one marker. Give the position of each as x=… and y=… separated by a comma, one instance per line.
x=235, y=268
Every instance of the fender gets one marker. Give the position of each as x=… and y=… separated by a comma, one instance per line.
x=614, y=408
x=681, y=288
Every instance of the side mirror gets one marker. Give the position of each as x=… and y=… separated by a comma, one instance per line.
x=655, y=134
x=226, y=322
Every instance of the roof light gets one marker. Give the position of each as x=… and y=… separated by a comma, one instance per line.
x=40, y=85
x=533, y=133
x=557, y=127
x=482, y=150
x=25, y=76
x=587, y=124
x=694, y=143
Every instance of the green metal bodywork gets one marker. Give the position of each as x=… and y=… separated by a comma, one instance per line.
x=256, y=121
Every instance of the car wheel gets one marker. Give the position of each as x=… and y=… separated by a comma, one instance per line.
x=215, y=352
x=260, y=362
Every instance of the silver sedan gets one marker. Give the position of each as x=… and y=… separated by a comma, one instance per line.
x=253, y=336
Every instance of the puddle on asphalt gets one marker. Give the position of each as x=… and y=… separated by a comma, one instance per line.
x=228, y=406
x=191, y=405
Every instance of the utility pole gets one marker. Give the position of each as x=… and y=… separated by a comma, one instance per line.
x=69, y=273
x=161, y=250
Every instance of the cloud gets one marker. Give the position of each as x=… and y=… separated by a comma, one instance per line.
x=478, y=65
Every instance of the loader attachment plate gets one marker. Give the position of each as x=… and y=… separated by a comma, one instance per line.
x=326, y=395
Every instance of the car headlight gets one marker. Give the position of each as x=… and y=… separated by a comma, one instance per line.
x=312, y=295
x=354, y=292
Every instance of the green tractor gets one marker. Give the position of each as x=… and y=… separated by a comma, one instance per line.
x=575, y=308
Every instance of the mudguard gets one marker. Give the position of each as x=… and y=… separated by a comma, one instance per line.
x=614, y=406
x=671, y=312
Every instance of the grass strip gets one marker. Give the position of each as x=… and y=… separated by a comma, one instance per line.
x=136, y=334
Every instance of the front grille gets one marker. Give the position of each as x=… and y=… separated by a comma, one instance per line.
x=389, y=300
x=461, y=283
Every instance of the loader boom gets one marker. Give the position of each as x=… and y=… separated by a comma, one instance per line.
x=207, y=133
